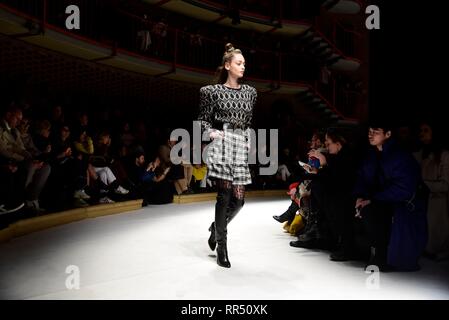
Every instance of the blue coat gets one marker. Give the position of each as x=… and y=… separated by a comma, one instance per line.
x=395, y=178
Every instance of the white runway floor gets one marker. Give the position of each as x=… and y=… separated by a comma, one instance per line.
x=161, y=252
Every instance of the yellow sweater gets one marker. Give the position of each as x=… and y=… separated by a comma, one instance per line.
x=199, y=173
x=87, y=148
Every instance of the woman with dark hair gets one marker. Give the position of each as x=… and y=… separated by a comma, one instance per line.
x=226, y=110
x=331, y=223
x=434, y=161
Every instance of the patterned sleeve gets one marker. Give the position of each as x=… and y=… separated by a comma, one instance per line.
x=206, y=109
x=250, y=117
x=253, y=104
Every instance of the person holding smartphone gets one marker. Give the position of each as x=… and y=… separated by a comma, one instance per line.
x=331, y=202
x=316, y=143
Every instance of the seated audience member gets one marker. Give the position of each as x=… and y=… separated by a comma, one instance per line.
x=316, y=143
x=199, y=174
x=101, y=177
x=12, y=148
x=12, y=191
x=57, y=120
x=434, y=161
x=126, y=137
x=150, y=181
x=177, y=171
x=300, y=194
x=391, y=202
x=331, y=191
x=69, y=173
x=28, y=142
x=41, y=139
x=105, y=156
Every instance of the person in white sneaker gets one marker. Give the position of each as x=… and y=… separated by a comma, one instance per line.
x=99, y=162
x=79, y=198
x=105, y=200
x=106, y=179
x=12, y=148
x=121, y=190
x=12, y=181
x=4, y=209
x=81, y=194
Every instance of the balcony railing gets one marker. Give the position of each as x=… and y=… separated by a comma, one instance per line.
x=293, y=10
x=341, y=37
x=125, y=32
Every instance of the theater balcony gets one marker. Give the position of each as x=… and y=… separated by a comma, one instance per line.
x=175, y=57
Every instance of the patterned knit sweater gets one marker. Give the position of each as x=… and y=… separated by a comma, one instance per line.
x=221, y=104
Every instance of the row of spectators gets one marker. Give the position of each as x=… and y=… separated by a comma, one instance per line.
x=385, y=205
x=53, y=162
x=152, y=31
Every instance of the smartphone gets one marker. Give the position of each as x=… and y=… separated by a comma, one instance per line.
x=305, y=166
x=302, y=164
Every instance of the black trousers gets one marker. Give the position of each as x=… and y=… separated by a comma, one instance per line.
x=319, y=206
x=335, y=214
x=377, y=220
x=12, y=187
x=341, y=217
x=291, y=212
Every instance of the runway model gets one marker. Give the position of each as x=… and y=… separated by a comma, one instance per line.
x=226, y=110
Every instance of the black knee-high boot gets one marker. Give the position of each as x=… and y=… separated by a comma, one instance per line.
x=211, y=241
x=223, y=198
x=234, y=207
x=222, y=256
x=222, y=251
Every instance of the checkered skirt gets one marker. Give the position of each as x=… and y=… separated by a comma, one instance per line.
x=227, y=157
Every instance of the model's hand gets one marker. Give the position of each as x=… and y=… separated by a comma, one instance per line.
x=216, y=134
